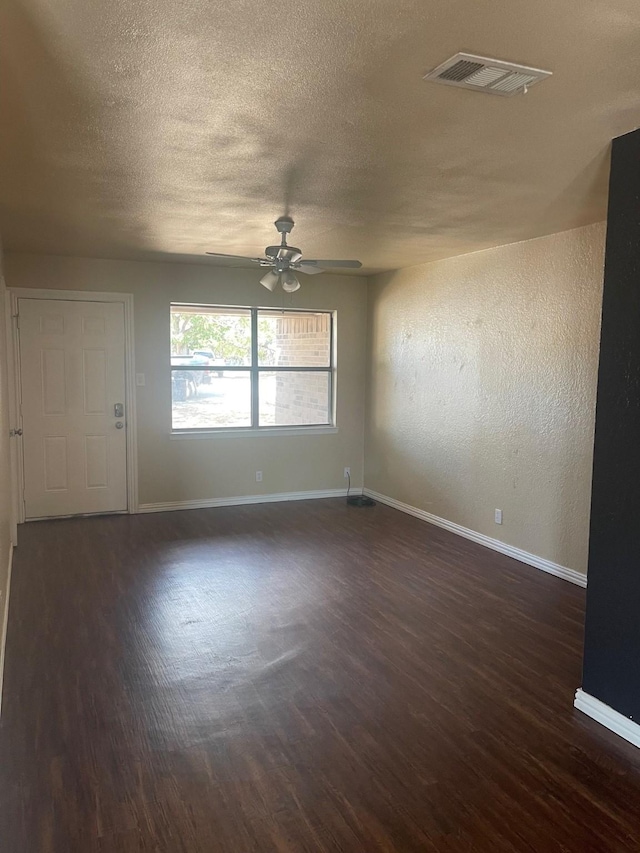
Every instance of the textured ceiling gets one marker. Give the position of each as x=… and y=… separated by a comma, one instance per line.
x=156, y=128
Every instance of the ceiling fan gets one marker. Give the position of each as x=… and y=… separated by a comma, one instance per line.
x=285, y=261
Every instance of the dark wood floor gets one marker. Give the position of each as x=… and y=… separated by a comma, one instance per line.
x=297, y=677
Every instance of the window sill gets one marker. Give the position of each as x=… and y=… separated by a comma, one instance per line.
x=179, y=435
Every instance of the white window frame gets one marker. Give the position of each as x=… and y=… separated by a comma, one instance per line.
x=254, y=370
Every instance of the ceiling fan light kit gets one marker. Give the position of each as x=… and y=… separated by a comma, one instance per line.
x=289, y=282
x=270, y=280
x=286, y=260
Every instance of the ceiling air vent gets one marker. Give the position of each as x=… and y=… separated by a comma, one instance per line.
x=486, y=75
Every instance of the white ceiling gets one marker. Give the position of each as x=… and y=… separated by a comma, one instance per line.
x=155, y=128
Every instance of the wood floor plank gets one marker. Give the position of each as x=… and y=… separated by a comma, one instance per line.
x=297, y=677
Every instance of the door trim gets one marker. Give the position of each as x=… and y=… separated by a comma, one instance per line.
x=126, y=299
x=15, y=451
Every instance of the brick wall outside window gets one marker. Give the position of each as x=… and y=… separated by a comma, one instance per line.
x=302, y=341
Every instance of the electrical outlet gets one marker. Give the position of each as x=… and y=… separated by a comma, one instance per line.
x=140, y=378
x=258, y=476
x=498, y=516
x=347, y=473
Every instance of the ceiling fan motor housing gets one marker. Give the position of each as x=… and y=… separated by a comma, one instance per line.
x=283, y=253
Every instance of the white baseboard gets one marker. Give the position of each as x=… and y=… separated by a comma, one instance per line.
x=495, y=544
x=607, y=717
x=244, y=499
x=5, y=621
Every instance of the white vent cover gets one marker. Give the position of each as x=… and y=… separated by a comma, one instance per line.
x=486, y=75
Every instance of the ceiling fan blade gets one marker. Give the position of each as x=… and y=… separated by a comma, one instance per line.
x=236, y=257
x=315, y=266
x=306, y=268
x=331, y=264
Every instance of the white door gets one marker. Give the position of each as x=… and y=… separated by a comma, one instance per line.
x=72, y=378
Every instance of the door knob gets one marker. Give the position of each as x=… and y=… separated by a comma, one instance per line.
x=119, y=424
x=13, y=432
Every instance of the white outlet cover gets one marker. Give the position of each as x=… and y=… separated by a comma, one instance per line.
x=258, y=476
x=140, y=379
x=498, y=516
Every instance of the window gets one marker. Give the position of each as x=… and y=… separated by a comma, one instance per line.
x=250, y=368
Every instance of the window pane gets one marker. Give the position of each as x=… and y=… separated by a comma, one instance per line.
x=202, y=335
x=294, y=398
x=294, y=339
x=204, y=399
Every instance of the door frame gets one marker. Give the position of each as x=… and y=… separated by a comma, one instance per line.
x=15, y=414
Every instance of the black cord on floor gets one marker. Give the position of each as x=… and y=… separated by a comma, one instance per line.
x=357, y=500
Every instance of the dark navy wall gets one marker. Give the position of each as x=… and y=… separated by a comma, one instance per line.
x=612, y=631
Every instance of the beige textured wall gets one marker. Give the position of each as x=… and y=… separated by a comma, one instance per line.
x=481, y=389
x=5, y=473
x=223, y=466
